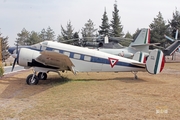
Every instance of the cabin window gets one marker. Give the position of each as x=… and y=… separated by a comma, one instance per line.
x=77, y=56
x=67, y=53
x=55, y=50
x=87, y=58
x=61, y=51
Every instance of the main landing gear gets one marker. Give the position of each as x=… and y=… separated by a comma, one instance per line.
x=33, y=79
x=42, y=76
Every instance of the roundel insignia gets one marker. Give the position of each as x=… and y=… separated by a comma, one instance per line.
x=113, y=61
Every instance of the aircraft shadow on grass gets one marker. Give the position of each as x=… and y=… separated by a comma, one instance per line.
x=18, y=89
x=123, y=79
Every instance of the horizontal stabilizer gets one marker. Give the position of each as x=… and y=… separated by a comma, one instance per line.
x=155, y=61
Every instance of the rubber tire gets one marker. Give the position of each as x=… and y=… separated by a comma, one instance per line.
x=30, y=82
x=42, y=76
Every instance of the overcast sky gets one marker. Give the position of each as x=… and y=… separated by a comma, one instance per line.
x=38, y=14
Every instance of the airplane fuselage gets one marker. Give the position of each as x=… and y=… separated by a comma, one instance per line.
x=84, y=59
x=53, y=56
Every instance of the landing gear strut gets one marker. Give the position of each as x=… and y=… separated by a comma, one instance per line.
x=135, y=75
x=32, y=79
x=42, y=76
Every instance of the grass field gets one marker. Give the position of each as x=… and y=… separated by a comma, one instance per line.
x=100, y=96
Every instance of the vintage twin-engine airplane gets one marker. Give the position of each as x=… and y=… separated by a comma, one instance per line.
x=49, y=56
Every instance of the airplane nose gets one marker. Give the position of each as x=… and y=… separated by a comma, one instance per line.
x=11, y=49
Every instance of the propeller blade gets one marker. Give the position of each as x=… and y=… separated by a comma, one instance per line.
x=15, y=60
x=17, y=49
x=13, y=64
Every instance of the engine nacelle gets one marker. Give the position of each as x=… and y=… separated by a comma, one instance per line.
x=26, y=56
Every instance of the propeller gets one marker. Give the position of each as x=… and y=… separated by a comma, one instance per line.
x=15, y=58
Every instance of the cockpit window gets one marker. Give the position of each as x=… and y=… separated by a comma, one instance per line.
x=40, y=46
x=44, y=45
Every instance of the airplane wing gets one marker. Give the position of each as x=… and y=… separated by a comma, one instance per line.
x=55, y=59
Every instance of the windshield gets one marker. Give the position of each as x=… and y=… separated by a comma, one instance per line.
x=40, y=46
x=36, y=46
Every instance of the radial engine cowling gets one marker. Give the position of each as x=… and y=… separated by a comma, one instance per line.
x=26, y=56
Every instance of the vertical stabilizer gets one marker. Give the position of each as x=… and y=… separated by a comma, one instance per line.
x=142, y=38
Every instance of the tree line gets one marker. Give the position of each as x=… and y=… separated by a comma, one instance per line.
x=4, y=47
x=159, y=27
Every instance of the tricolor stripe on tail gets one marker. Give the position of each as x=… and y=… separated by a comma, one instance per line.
x=155, y=62
x=140, y=57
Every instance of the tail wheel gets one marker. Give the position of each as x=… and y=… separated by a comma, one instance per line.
x=42, y=76
x=32, y=80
